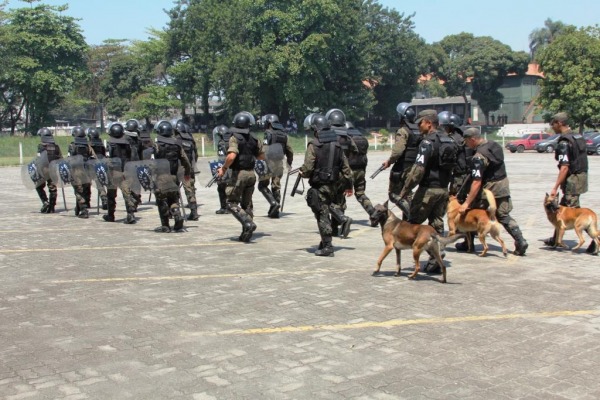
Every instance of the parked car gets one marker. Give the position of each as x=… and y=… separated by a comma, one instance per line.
x=592, y=141
x=548, y=145
x=526, y=142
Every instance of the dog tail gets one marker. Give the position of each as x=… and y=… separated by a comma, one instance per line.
x=445, y=241
x=491, y=210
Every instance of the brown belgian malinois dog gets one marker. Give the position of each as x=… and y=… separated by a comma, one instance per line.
x=565, y=218
x=475, y=220
x=402, y=235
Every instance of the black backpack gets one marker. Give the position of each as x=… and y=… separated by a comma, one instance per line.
x=447, y=152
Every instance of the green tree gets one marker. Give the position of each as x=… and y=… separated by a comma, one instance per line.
x=394, y=56
x=541, y=37
x=45, y=54
x=477, y=65
x=571, y=67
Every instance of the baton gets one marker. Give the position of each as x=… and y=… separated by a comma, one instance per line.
x=213, y=180
x=181, y=200
x=98, y=204
x=377, y=172
x=287, y=179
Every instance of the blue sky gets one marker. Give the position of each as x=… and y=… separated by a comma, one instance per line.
x=509, y=21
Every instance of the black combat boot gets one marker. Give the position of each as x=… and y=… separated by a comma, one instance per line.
x=178, y=218
x=110, y=216
x=326, y=250
x=222, y=201
x=592, y=248
x=104, y=201
x=464, y=246
x=77, y=209
x=51, y=203
x=163, y=212
x=370, y=210
x=130, y=219
x=551, y=241
x=521, y=244
x=45, y=207
x=343, y=221
x=432, y=267
x=248, y=226
x=193, y=212
x=83, y=213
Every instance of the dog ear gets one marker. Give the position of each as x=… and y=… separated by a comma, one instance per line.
x=386, y=204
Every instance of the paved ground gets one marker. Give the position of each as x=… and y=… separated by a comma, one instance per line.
x=111, y=311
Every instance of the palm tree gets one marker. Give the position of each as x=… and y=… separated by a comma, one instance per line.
x=541, y=37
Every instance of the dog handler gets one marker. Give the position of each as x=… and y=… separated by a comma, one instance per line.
x=571, y=154
x=489, y=172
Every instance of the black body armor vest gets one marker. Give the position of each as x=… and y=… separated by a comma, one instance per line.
x=247, y=147
x=189, y=146
x=407, y=159
x=119, y=148
x=578, y=161
x=170, y=150
x=328, y=158
x=461, y=162
x=51, y=149
x=98, y=147
x=496, y=170
x=275, y=136
x=435, y=177
x=358, y=161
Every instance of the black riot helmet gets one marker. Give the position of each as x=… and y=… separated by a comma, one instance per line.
x=220, y=131
x=455, y=121
x=316, y=122
x=44, y=132
x=336, y=117
x=77, y=131
x=270, y=119
x=243, y=120
x=444, y=118
x=405, y=111
x=179, y=126
x=92, y=133
x=116, y=130
x=164, y=128
x=349, y=125
x=132, y=125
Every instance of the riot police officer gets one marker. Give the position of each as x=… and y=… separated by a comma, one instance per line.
x=404, y=154
x=489, y=172
x=83, y=191
x=52, y=150
x=242, y=152
x=358, y=164
x=100, y=150
x=169, y=148
x=184, y=134
x=120, y=147
x=572, y=179
x=277, y=140
x=222, y=135
x=325, y=164
x=132, y=127
x=337, y=121
x=433, y=177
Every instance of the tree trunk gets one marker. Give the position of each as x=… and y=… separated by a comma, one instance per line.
x=467, y=109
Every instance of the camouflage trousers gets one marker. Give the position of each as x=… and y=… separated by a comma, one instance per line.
x=52, y=190
x=189, y=188
x=572, y=188
x=240, y=188
x=360, y=184
x=83, y=194
x=275, y=183
x=111, y=194
x=319, y=199
x=396, y=185
x=429, y=204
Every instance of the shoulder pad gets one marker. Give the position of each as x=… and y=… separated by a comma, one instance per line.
x=327, y=136
x=426, y=142
x=340, y=132
x=445, y=139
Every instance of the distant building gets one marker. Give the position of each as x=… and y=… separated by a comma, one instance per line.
x=520, y=94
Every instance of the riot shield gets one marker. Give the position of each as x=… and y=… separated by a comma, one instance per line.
x=150, y=176
x=36, y=172
x=106, y=172
x=69, y=171
x=274, y=158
